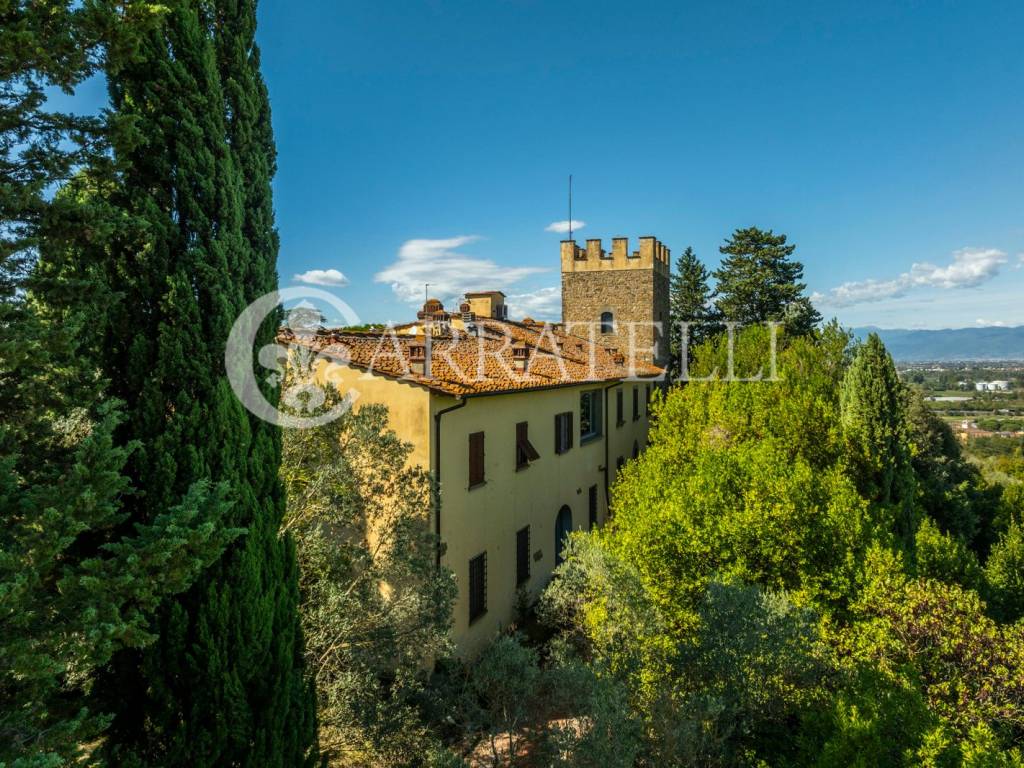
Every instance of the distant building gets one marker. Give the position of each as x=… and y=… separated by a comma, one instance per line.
x=992, y=386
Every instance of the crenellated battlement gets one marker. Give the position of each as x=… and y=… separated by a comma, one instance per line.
x=652, y=254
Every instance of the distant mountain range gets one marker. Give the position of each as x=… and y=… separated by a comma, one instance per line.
x=989, y=343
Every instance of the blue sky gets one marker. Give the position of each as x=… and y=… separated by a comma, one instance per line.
x=432, y=141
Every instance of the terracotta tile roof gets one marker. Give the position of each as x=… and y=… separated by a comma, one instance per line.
x=487, y=361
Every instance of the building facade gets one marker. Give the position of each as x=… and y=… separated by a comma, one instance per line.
x=525, y=427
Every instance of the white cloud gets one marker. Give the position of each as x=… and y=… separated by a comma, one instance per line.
x=565, y=226
x=970, y=267
x=321, y=277
x=990, y=323
x=542, y=304
x=449, y=272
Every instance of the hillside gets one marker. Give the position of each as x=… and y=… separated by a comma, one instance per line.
x=951, y=343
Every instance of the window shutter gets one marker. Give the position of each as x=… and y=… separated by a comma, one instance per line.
x=568, y=430
x=523, y=555
x=476, y=458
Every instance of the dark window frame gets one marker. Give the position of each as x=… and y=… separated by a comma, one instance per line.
x=477, y=460
x=522, y=556
x=607, y=322
x=636, y=403
x=620, y=416
x=477, y=586
x=592, y=506
x=595, y=418
x=563, y=432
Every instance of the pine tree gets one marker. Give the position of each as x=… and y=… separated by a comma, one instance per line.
x=874, y=422
x=193, y=245
x=689, y=297
x=758, y=282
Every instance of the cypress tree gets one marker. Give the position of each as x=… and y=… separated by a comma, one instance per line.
x=874, y=421
x=194, y=244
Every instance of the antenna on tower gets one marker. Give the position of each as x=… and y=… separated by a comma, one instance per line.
x=570, y=206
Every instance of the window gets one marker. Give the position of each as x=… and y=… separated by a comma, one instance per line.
x=619, y=464
x=563, y=527
x=636, y=449
x=647, y=402
x=476, y=459
x=523, y=556
x=563, y=432
x=607, y=322
x=636, y=403
x=592, y=506
x=477, y=586
x=619, y=420
x=590, y=414
x=525, y=452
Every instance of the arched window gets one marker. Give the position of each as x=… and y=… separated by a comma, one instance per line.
x=563, y=526
x=607, y=322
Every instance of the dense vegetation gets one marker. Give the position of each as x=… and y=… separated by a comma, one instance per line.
x=802, y=571
x=148, y=596
x=806, y=572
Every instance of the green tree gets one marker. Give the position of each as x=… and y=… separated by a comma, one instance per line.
x=1004, y=574
x=935, y=640
x=874, y=422
x=758, y=281
x=950, y=489
x=689, y=298
x=79, y=580
x=374, y=604
x=179, y=261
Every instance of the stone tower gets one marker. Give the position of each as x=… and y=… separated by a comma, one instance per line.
x=619, y=294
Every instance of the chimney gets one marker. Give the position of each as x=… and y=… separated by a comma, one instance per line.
x=419, y=356
x=521, y=356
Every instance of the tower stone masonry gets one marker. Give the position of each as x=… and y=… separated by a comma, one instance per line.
x=622, y=296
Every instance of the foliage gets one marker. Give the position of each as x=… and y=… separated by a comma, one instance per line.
x=758, y=281
x=374, y=605
x=944, y=557
x=875, y=425
x=950, y=489
x=747, y=481
x=178, y=241
x=1004, y=574
x=936, y=638
x=80, y=580
x=791, y=575
x=517, y=707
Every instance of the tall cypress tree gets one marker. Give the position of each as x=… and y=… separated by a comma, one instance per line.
x=193, y=246
x=874, y=421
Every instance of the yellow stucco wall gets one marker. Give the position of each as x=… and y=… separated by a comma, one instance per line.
x=486, y=518
x=408, y=404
